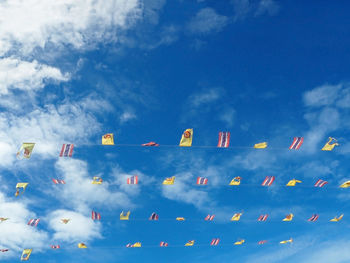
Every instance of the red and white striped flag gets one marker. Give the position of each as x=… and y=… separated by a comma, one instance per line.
x=268, y=181
x=67, y=150
x=215, y=242
x=296, y=144
x=320, y=183
x=163, y=244
x=95, y=215
x=224, y=139
x=129, y=245
x=202, y=180
x=263, y=217
x=58, y=181
x=154, y=216
x=34, y=222
x=150, y=144
x=313, y=218
x=132, y=180
x=209, y=218
x=4, y=249
x=55, y=246
x=262, y=242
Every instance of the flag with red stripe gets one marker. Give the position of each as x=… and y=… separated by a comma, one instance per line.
x=34, y=222
x=132, y=180
x=296, y=144
x=202, y=180
x=150, y=144
x=262, y=242
x=320, y=183
x=58, y=181
x=313, y=218
x=55, y=246
x=263, y=217
x=215, y=242
x=209, y=217
x=163, y=244
x=4, y=249
x=224, y=139
x=67, y=150
x=268, y=181
x=95, y=215
x=154, y=216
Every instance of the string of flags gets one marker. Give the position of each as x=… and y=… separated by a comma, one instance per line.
x=26, y=149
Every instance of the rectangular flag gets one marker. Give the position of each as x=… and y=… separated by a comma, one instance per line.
x=215, y=242
x=34, y=222
x=58, y=181
x=55, y=246
x=97, y=180
x=132, y=180
x=189, y=243
x=313, y=218
x=288, y=217
x=169, y=181
x=26, y=150
x=67, y=150
x=268, y=181
x=236, y=181
x=209, y=218
x=261, y=145
x=296, y=144
x=329, y=146
x=4, y=250
x=263, y=217
x=124, y=216
x=262, y=242
x=95, y=215
x=163, y=244
x=202, y=180
x=26, y=254
x=236, y=217
x=320, y=183
x=224, y=139
x=186, y=139
x=150, y=144
x=108, y=139
x=154, y=216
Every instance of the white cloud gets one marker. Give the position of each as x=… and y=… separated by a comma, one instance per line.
x=322, y=96
x=267, y=6
x=80, y=228
x=24, y=75
x=228, y=116
x=243, y=8
x=207, y=21
x=205, y=97
x=127, y=116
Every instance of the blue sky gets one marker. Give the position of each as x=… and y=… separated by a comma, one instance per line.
x=265, y=70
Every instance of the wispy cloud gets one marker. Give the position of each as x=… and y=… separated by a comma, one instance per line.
x=244, y=8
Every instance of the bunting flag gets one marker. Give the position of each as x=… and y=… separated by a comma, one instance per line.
x=180, y=219
x=215, y=242
x=55, y=246
x=209, y=218
x=163, y=244
x=58, y=181
x=132, y=180
x=67, y=150
x=137, y=244
x=329, y=146
x=124, y=216
x=34, y=222
x=169, y=181
x=97, y=180
x=65, y=220
x=154, y=216
x=19, y=186
x=263, y=217
x=296, y=144
x=261, y=145
x=224, y=139
x=202, y=180
x=337, y=219
x=150, y=144
x=288, y=217
x=4, y=250
x=186, y=139
x=313, y=218
x=239, y=242
x=268, y=181
x=26, y=254
x=82, y=245
x=236, y=217
x=95, y=215
x=262, y=242
x=345, y=185
x=287, y=241
x=108, y=139
x=293, y=182
x=26, y=150
x=2, y=219
x=320, y=183
x=189, y=243
x=236, y=181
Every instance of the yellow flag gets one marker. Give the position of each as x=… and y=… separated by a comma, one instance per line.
x=26, y=148
x=2, y=219
x=189, y=243
x=82, y=245
x=288, y=217
x=108, y=139
x=236, y=181
x=169, y=181
x=137, y=244
x=65, y=220
x=337, y=219
x=345, y=185
x=236, y=217
x=240, y=242
x=287, y=241
x=180, y=219
x=96, y=180
x=329, y=146
x=26, y=254
x=124, y=216
x=261, y=145
x=186, y=139
x=293, y=182
x=20, y=185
